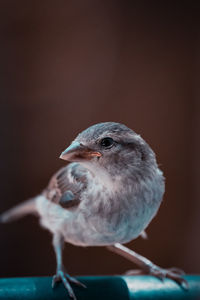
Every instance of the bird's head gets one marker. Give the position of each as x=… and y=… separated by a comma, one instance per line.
x=110, y=146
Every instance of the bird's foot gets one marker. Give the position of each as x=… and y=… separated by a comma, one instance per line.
x=66, y=279
x=171, y=273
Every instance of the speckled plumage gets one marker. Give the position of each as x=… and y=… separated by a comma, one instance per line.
x=115, y=196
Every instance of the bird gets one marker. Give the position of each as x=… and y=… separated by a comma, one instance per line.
x=106, y=195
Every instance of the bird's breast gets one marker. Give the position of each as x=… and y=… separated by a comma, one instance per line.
x=107, y=217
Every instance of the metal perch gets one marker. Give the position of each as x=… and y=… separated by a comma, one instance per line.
x=101, y=287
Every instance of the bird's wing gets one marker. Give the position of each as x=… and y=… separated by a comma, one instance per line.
x=66, y=186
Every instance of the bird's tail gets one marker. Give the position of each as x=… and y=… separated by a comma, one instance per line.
x=19, y=211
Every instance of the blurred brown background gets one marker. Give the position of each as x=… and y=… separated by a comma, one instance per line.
x=66, y=65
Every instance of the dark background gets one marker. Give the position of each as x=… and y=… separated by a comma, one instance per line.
x=65, y=65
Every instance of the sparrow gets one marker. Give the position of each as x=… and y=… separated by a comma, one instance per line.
x=106, y=195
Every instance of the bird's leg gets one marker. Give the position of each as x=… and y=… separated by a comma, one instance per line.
x=61, y=274
x=147, y=266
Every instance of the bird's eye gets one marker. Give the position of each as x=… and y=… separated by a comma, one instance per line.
x=107, y=142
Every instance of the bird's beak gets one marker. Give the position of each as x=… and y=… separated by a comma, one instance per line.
x=77, y=152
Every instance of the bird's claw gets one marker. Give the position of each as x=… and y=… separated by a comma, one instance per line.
x=171, y=273
x=66, y=280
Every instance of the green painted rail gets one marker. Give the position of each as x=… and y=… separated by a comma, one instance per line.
x=100, y=287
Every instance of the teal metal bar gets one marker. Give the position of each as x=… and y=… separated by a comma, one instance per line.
x=100, y=287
